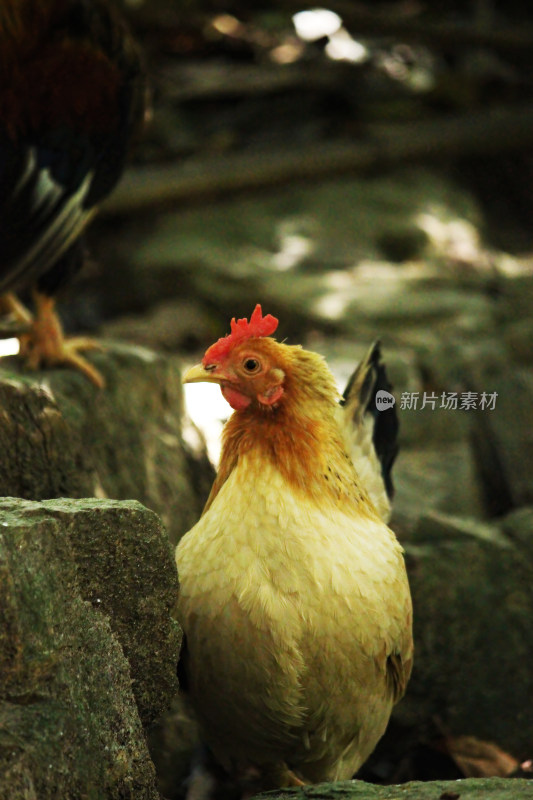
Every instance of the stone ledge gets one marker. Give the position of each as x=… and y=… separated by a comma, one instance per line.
x=468, y=789
x=85, y=631
x=62, y=437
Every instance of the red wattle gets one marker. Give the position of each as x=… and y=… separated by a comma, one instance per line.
x=236, y=399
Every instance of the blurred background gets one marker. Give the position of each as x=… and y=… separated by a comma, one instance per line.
x=363, y=170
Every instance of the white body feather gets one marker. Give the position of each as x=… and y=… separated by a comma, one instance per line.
x=360, y=446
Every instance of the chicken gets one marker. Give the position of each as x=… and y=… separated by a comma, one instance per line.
x=293, y=598
x=71, y=98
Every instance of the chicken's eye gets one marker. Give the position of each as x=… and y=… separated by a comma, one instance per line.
x=251, y=365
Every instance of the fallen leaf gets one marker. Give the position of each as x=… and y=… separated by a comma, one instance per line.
x=478, y=759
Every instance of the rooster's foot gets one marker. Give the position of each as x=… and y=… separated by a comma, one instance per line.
x=44, y=344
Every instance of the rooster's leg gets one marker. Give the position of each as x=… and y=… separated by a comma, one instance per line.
x=45, y=343
x=19, y=319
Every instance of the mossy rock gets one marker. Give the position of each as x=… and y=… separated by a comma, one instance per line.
x=86, y=642
x=62, y=437
x=469, y=789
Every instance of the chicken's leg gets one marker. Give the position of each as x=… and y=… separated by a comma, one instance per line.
x=208, y=780
x=19, y=318
x=45, y=344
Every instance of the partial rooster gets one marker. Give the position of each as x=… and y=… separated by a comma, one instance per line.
x=294, y=596
x=71, y=97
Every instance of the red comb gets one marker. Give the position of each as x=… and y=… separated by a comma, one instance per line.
x=241, y=330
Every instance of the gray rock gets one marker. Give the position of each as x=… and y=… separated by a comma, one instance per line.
x=61, y=437
x=168, y=326
x=473, y=599
x=518, y=337
x=515, y=295
x=440, y=479
x=518, y=526
x=469, y=789
x=296, y=250
x=174, y=743
x=503, y=439
x=85, y=631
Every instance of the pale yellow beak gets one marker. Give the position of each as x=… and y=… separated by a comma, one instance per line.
x=199, y=374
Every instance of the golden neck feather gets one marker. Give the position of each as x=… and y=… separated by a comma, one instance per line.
x=300, y=437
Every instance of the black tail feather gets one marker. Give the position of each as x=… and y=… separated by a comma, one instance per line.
x=369, y=378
